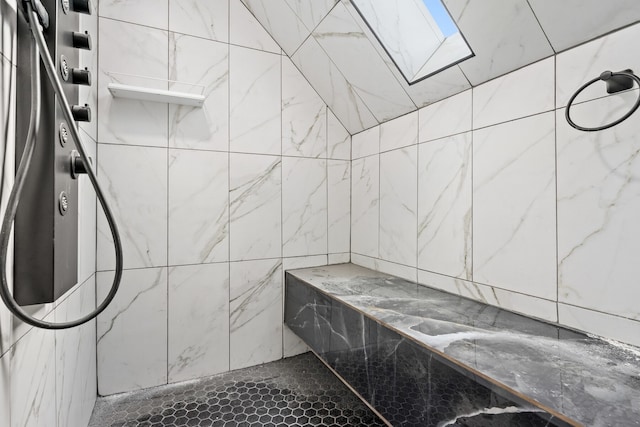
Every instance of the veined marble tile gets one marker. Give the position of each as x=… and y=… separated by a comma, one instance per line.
x=595, y=18
x=365, y=143
x=350, y=49
x=332, y=86
x=132, y=332
x=304, y=115
x=503, y=36
x=577, y=66
x=208, y=19
x=198, y=321
x=256, y=312
x=400, y=132
x=127, y=121
x=292, y=344
x=339, y=258
x=521, y=93
x=304, y=206
x=254, y=101
x=246, y=31
x=198, y=207
x=5, y=390
x=205, y=128
x=598, y=185
x=76, y=376
x=398, y=205
x=444, y=118
x=521, y=303
x=33, y=380
x=87, y=214
x=280, y=21
x=152, y=13
x=8, y=38
x=339, y=205
x=338, y=139
x=311, y=13
x=255, y=211
x=602, y=324
x=365, y=209
x=514, y=210
x=387, y=267
x=444, y=206
x=135, y=184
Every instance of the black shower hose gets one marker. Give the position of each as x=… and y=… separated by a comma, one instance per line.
x=39, y=51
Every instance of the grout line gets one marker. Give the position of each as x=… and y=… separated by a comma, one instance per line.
x=555, y=158
x=541, y=27
x=471, y=167
x=170, y=38
x=229, y=187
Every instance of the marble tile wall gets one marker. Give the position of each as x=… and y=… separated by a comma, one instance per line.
x=500, y=200
x=48, y=378
x=213, y=203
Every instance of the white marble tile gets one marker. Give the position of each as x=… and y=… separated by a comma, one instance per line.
x=198, y=321
x=198, y=207
x=387, y=267
x=444, y=206
x=577, y=66
x=304, y=206
x=280, y=21
x=595, y=19
x=8, y=21
x=332, y=86
x=598, y=185
x=339, y=258
x=444, y=118
x=204, y=128
x=132, y=332
x=527, y=91
x=344, y=41
x=338, y=139
x=400, y=132
x=514, y=209
x=152, y=13
x=206, y=19
x=503, y=36
x=256, y=312
x=521, y=303
x=87, y=233
x=311, y=12
x=365, y=209
x=255, y=188
x=245, y=30
x=135, y=183
x=33, y=380
x=76, y=376
x=339, y=205
x=5, y=390
x=292, y=345
x=365, y=143
x=398, y=205
x=126, y=121
x=304, y=115
x=602, y=324
x=254, y=99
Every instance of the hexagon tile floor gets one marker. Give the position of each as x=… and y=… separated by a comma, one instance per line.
x=299, y=391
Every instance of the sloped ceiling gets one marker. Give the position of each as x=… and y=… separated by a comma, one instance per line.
x=344, y=62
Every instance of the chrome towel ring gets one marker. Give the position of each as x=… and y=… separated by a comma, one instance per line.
x=616, y=82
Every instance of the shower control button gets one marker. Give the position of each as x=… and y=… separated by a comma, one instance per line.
x=77, y=164
x=81, y=113
x=81, y=76
x=63, y=203
x=65, y=6
x=82, y=6
x=63, y=134
x=81, y=40
x=64, y=68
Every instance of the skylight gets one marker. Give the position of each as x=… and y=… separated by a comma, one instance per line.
x=419, y=35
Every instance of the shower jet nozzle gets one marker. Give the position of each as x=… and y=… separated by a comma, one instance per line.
x=39, y=9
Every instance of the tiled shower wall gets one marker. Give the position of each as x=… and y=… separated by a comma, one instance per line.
x=213, y=203
x=492, y=195
x=47, y=378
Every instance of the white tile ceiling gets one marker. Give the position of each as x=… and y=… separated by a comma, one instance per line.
x=344, y=62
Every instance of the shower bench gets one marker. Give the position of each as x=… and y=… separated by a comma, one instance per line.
x=423, y=357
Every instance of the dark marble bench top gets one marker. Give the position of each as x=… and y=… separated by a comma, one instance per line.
x=587, y=379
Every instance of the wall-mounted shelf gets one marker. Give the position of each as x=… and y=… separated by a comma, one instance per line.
x=119, y=90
